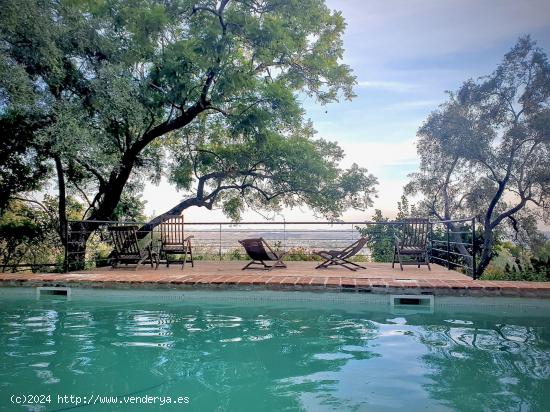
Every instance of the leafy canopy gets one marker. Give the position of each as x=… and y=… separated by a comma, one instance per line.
x=114, y=86
x=267, y=173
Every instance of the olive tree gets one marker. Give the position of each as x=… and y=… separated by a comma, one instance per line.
x=486, y=151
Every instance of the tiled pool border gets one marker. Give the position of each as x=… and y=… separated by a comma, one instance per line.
x=289, y=283
x=328, y=300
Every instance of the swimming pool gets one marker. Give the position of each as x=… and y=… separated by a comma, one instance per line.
x=249, y=351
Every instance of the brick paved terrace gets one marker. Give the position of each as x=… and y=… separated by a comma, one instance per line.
x=377, y=278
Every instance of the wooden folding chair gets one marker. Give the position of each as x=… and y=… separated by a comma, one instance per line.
x=341, y=257
x=260, y=252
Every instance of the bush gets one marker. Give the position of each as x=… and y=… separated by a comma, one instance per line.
x=515, y=263
x=301, y=253
x=29, y=238
x=524, y=275
x=380, y=238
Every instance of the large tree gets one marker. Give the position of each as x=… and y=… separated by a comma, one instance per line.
x=486, y=151
x=118, y=90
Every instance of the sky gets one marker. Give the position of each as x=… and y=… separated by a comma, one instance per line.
x=405, y=55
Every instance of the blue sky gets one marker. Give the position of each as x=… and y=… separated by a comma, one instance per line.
x=405, y=54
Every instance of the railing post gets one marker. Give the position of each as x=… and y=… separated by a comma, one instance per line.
x=474, y=269
x=284, y=234
x=66, y=253
x=448, y=247
x=220, y=243
x=431, y=235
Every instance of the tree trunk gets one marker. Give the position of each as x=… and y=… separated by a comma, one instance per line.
x=62, y=200
x=461, y=248
x=79, y=233
x=458, y=239
x=487, y=251
x=112, y=191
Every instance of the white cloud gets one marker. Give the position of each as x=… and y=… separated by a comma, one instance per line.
x=381, y=158
x=395, y=29
x=414, y=104
x=388, y=85
x=379, y=155
x=419, y=103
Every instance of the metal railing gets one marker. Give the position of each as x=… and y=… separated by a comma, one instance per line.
x=450, y=243
x=453, y=244
x=219, y=240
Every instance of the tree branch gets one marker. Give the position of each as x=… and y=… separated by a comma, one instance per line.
x=84, y=196
x=102, y=181
x=36, y=202
x=508, y=213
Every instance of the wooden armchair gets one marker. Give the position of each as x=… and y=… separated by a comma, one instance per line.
x=412, y=242
x=127, y=249
x=174, y=242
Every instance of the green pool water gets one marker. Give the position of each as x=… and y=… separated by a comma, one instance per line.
x=248, y=351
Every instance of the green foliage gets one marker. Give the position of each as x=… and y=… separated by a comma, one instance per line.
x=206, y=93
x=22, y=165
x=380, y=238
x=381, y=234
x=130, y=208
x=236, y=254
x=301, y=254
x=524, y=275
x=540, y=261
x=233, y=207
x=512, y=262
x=28, y=237
x=405, y=209
x=268, y=171
x=49, y=205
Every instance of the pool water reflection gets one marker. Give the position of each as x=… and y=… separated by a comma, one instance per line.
x=273, y=355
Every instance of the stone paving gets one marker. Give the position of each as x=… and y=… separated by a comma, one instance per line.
x=377, y=278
